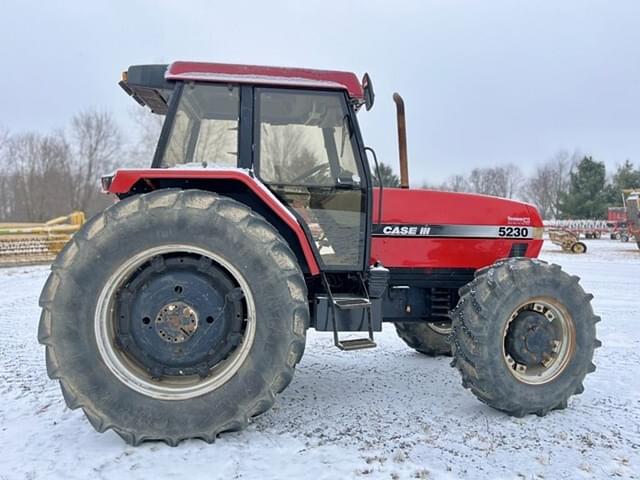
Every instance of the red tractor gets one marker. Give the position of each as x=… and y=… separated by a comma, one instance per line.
x=181, y=311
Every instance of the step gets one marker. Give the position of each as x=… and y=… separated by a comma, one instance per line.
x=356, y=344
x=347, y=303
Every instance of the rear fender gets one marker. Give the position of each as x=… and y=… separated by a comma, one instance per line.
x=235, y=183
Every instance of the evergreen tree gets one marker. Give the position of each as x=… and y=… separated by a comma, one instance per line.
x=626, y=177
x=389, y=179
x=587, y=197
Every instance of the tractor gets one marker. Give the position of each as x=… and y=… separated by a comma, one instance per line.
x=181, y=310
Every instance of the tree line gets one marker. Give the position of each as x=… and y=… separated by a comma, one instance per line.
x=48, y=175
x=566, y=186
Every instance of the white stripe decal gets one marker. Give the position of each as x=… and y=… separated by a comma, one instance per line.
x=455, y=231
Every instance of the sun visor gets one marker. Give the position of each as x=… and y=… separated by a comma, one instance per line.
x=147, y=85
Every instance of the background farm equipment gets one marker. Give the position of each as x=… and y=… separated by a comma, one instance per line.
x=567, y=239
x=632, y=204
x=590, y=229
x=29, y=243
x=617, y=222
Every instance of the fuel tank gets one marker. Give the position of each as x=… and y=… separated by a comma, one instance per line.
x=415, y=228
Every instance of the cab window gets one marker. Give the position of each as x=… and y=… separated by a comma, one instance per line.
x=205, y=128
x=307, y=155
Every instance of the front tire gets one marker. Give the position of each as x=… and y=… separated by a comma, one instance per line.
x=524, y=336
x=174, y=315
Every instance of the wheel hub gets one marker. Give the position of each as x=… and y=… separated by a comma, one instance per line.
x=179, y=316
x=176, y=322
x=539, y=341
x=531, y=339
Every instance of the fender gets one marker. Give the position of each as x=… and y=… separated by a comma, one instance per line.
x=128, y=181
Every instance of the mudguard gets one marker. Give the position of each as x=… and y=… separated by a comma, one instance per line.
x=125, y=181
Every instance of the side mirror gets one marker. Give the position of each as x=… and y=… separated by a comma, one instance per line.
x=369, y=95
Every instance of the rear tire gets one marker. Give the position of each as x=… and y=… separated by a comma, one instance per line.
x=504, y=317
x=425, y=338
x=104, y=375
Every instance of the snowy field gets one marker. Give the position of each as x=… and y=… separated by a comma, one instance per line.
x=382, y=413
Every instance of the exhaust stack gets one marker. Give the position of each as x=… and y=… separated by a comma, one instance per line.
x=402, y=141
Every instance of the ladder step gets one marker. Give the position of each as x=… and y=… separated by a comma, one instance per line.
x=351, y=303
x=356, y=344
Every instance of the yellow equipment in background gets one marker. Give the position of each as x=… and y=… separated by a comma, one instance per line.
x=29, y=243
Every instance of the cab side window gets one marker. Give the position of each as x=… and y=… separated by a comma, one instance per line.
x=307, y=155
x=205, y=128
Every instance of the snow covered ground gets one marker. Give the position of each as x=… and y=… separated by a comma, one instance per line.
x=384, y=413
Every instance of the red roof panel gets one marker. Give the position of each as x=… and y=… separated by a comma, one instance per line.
x=278, y=76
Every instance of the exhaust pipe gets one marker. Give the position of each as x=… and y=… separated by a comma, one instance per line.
x=402, y=141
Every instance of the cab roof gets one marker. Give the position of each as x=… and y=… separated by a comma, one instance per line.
x=256, y=74
x=152, y=85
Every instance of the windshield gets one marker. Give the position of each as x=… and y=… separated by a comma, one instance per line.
x=205, y=128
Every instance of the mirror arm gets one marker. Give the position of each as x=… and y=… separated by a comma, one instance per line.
x=375, y=161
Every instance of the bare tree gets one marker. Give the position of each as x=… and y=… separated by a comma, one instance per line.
x=504, y=181
x=97, y=146
x=456, y=183
x=6, y=201
x=4, y=137
x=508, y=181
x=38, y=180
x=481, y=181
x=550, y=180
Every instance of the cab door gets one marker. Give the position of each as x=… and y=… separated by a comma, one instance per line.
x=306, y=150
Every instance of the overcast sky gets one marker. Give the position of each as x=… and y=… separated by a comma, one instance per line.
x=485, y=82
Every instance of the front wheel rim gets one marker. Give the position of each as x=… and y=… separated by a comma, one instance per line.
x=556, y=360
x=130, y=372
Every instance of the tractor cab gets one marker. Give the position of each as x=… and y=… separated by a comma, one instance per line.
x=295, y=130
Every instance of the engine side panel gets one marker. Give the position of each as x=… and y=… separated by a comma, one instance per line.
x=433, y=229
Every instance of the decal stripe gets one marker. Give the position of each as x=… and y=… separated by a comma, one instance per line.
x=455, y=231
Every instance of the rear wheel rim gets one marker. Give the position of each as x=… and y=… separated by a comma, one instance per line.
x=137, y=375
x=442, y=328
x=561, y=337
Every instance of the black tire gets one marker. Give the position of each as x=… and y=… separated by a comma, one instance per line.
x=479, y=340
x=624, y=238
x=638, y=243
x=579, y=247
x=173, y=217
x=422, y=337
